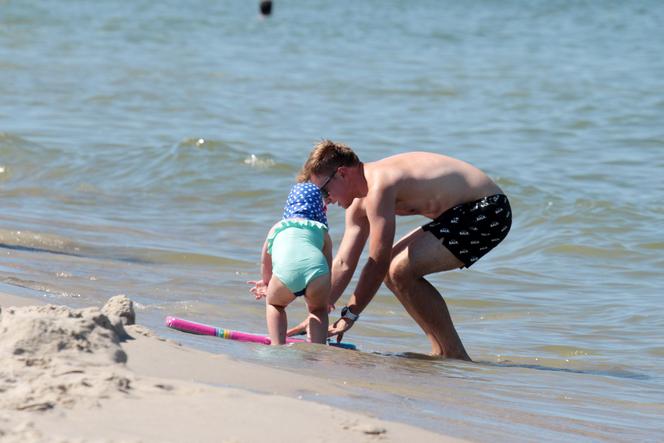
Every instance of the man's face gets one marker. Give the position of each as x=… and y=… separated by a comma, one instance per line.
x=333, y=188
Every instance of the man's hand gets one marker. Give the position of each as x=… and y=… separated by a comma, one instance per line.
x=302, y=327
x=339, y=328
x=259, y=290
x=299, y=329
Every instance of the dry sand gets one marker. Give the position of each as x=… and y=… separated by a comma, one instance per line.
x=91, y=375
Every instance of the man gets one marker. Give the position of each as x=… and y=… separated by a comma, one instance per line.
x=470, y=216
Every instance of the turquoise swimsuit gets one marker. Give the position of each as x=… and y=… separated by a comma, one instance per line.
x=296, y=247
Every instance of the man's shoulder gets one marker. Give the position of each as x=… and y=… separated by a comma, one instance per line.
x=383, y=174
x=357, y=209
x=357, y=206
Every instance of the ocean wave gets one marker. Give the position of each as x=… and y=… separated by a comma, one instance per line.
x=192, y=163
x=34, y=242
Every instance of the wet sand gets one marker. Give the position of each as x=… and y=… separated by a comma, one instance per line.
x=90, y=374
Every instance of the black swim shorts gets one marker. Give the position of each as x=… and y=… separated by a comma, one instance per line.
x=470, y=230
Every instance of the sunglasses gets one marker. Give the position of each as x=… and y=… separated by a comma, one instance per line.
x=324, y=192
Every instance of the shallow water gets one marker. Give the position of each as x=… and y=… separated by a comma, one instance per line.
x=146, y=150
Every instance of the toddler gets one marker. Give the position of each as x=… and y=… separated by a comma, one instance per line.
x=296, y=261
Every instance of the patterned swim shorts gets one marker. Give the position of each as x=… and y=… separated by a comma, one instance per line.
x=470, y=230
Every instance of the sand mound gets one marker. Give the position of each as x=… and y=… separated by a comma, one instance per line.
x=54, y=355
x=121, y=308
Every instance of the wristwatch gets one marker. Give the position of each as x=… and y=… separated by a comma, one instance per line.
x=347, y=314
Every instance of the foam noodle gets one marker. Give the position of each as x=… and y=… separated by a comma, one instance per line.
x=191, y=327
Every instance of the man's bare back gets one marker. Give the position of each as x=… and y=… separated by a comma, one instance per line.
x=428, y=184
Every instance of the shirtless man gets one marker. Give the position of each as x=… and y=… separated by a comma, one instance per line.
x=469, y=212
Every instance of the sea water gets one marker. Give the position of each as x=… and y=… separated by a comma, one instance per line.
x=147, y=147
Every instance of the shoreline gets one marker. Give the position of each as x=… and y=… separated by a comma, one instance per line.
x=149, y=389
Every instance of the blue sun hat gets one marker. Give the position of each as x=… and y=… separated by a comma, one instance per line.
x=305, y=201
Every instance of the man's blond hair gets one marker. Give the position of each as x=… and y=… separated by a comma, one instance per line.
x=325, y=158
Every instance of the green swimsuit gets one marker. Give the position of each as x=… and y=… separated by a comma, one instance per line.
x=296, y=247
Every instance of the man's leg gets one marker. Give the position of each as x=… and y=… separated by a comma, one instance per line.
x=418, y=254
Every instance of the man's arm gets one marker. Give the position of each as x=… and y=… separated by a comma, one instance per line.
x=355, y=237
x=380, y=213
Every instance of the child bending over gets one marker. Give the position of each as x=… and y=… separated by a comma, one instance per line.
x=296, y=261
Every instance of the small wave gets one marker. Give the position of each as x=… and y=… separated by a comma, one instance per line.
x=608, y=372
x=187, y=148
x=40, y=287
x=255, y=161
x=657, y=351
x=32, y=166
x=566, y=351
x=17, y=154
x=482, y=303
x=181, y=258
x=192, y=164
x=8, y=140
x=27, y=241
x=656, y=246
x=197, y=163
x=421, y=89
x=589, y=251
x=37, y=242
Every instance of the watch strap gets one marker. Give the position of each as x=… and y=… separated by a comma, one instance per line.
x=347, y=314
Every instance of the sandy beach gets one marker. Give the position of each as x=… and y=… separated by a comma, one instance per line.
x=89, y=375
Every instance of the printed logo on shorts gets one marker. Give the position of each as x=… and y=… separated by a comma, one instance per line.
x=480, y=217
x=463, y=232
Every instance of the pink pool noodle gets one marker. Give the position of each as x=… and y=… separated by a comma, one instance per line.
x=201, y=329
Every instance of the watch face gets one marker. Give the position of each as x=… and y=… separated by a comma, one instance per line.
x=346, y=313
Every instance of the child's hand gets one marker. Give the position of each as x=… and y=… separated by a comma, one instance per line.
x=259, y=290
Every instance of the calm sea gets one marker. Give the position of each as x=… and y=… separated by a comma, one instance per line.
x=146, y=147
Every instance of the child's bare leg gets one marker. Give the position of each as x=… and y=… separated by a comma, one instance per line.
x=317, y=296
x=278, y=297
x=276, y=323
